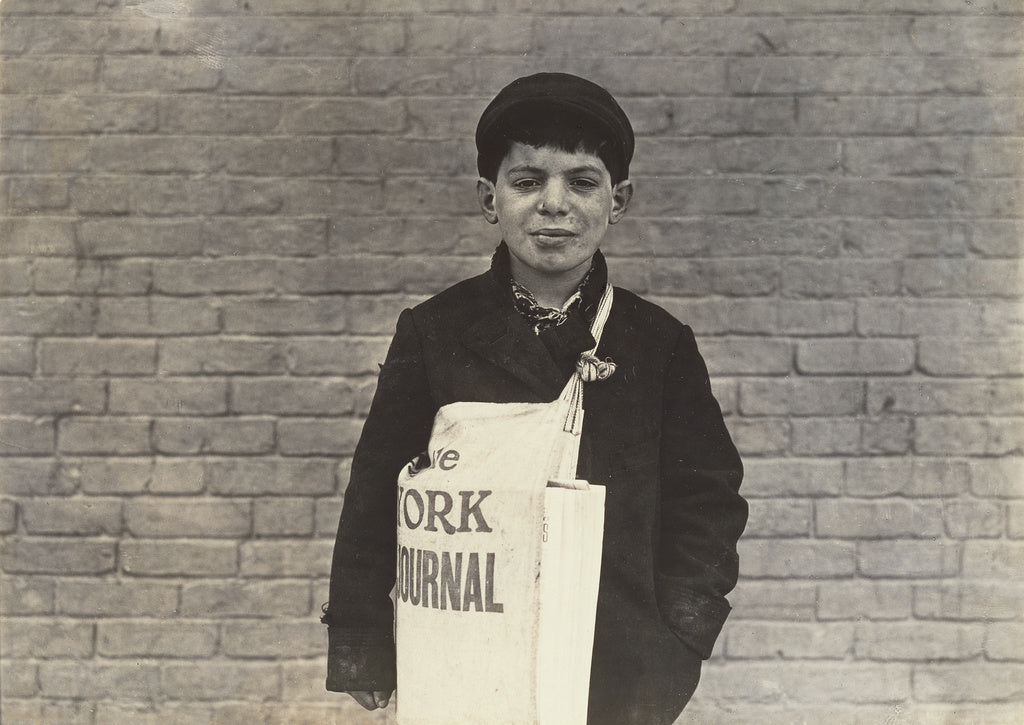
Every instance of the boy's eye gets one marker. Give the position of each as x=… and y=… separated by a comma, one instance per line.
x=525, y=183
x=584, y=184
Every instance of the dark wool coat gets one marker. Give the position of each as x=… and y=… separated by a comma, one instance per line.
x=653, y=435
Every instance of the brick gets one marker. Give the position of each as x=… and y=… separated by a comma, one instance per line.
x=273, y=76
x=64, y=36
x=790, y=600
x=825, y=436
x=990, y=114
x=110, y=436
x=908, y=559
x=856, y=115
x=744, y=356
x=687, y=277
x=905, y=157
x=318, y=436
x=244, y=598
x=32, y=476
x=376, y=315
x=8, y=516
x=962, y=278
x=272, y=638
x=36, y=236
x=280, y=477
x=887, y=435
x=819, y=317
x=810, y=683
x=291, y=396
x=997, y=238
x=220, y=681
x=893, y=519
x=761, y=436
x=943, y=397
x=49, y=75
x=953, y=357
x=78, y=276
x=792, y=477
x=432, y=35
x=774, y=396
x=970, y=436
x=982, y=682
x=70, y=679
x=46, y=638
x=718, y=316
x=197, y=114
x=636, y=33
x=865, y=76
x=280, y=558
x=1015, y=520
x=26, y=595
x=780, y=558
x=977, y=35
x=213, y=435
x=973, y=519
x=81, y=112
x=327, y=515
x=168, y=396
x=105, y=475
x=341, y=115
x=159, y=73
x=992, y=559
x=283, y=517
x=20, y=681
x=968, y=601
x=17, y=356
x=336, y=356
x=779, y=518
x=97, y=357
x=327, y=314
x=788, y=640
x=15, y=276
x=223, y=355
x=1003, y=641
x=860, y=599
x=175, y=476
x=692, y=196
x=46, y=316
x=905, y=237
x=856, y=357
x=52, y=555
x=130, y=237
x=997, y=478
x=277, y=236
x=162, y=518
x=929, y=641
x=141, y=638
x=289, y=156
x=178, y=558
x=845, y=278
x=146, y=316
x=23, y=436
x=72, y=516
x=116, y=598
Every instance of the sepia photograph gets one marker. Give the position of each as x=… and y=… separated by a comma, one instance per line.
x=511, y=362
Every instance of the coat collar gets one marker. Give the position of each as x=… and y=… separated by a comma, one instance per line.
x=503, y=337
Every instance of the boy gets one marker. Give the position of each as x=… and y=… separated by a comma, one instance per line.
x=553, y=157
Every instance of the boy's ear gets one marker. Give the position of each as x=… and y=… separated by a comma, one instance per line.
x=622, y=193
x=485, y=196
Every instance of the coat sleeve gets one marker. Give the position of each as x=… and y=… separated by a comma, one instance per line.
x=702, y=513
x=360, y=614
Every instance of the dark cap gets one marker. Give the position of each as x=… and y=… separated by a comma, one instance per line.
x=565, y=94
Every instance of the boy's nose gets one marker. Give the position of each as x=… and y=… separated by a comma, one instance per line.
x=553, y=199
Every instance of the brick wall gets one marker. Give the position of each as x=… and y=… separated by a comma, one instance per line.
x=213, y=211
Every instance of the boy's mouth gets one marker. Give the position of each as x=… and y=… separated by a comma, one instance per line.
x=553, y=233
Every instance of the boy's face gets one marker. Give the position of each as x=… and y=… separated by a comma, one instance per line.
x=553, y=208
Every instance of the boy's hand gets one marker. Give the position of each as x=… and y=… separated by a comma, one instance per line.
x=371, y=700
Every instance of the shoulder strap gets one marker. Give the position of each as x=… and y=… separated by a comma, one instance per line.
x=572, y=393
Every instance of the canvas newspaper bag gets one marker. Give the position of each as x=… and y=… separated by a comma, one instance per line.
x=469, y=615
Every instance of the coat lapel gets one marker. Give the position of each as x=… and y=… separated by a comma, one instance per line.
x=501, y=337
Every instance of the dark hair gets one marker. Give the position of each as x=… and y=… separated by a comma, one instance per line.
x=547, y=127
